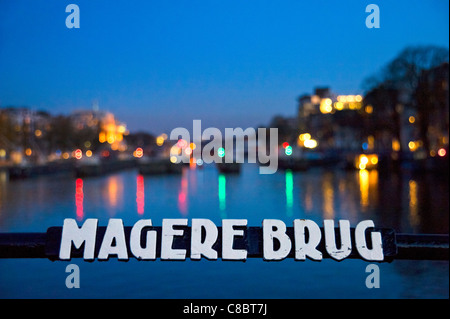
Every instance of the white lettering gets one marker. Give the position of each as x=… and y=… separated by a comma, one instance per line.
x=168, y=232
x=228, y=233
x=274, y=229
x=72, y=234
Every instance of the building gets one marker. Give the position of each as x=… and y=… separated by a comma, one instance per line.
x=334, y=121
x=23, y=134
x=433, y=109
x=100, y=128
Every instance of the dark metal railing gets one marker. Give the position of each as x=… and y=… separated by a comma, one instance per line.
x=395, y=246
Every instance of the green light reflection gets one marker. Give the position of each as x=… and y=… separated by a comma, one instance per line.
x=222, y=194
x=289, y=192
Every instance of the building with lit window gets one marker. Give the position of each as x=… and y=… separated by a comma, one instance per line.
x=334, y=122
x=433, y=110
x=101, y=127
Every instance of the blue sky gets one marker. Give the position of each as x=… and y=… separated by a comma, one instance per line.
x=160, y=64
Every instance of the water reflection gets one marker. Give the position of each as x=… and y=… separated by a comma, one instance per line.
x=193, y=174
x=113, y=193
x=407, y=203
x=308, y=198
x=289, y=192
x=3, y=188
x=368, y=185
x=364, y=188
x=413, y=209
x=183, y=193
x=79, y=198
x=222, y=195
x=140, y=194
x=328, y=196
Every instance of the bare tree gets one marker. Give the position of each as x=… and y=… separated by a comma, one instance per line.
x=397, y=82
x=404, y=71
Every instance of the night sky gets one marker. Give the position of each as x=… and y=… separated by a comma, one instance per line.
x=231, y=63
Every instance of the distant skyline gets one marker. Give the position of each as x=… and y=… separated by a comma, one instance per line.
x=158, y=65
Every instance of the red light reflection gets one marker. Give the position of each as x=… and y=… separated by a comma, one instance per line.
x=79, y=196
x=140, y=196
x=182, y=194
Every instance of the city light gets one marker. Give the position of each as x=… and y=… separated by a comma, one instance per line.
x=325, y=106
x=102, y=137
x=121, y=129
x=78, y=154
x=182, y=143
x=374, y=160
x=159, y=141
x=395, y=145
x=363, y=160
x=412, y=119
x=188, y=151
x=138, y=153
x=352, y=102
x=413, y=146
x=111, y=132
x=221, y=152
x=442, y=152
x=310, y=143
x=315, y=99
x=366, y=161
x=175, y=150
x=173, y=159
x=288, y=150
x=339, y=106
x=304, y=137
x=105, y=153
x=88, y=153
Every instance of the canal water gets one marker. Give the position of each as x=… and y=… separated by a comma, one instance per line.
x=408, y=203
